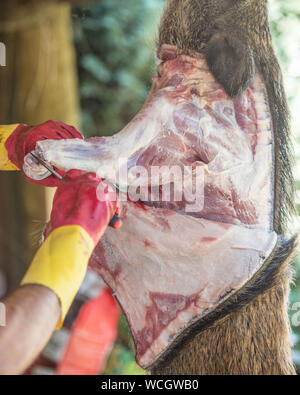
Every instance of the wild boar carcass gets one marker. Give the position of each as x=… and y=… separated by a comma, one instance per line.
x=172, y=264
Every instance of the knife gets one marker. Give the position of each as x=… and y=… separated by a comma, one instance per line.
x=116, y=221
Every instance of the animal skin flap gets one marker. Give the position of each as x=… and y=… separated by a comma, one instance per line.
x=171, y=265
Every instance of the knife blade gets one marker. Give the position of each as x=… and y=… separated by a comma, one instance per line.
x=48, y=167
x=116, y=221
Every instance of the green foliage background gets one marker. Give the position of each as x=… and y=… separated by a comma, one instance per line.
x=285, y=25
x=115, y=43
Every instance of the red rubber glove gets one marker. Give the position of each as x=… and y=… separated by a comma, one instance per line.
x=23, y=140
x=82, y=199
x=79, y=219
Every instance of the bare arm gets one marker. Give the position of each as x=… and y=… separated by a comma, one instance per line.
x=75, y=228
x=32, y=313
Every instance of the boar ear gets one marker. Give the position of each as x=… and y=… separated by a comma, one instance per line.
x=231, y=62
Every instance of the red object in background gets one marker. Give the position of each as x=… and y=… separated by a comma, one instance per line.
x=92, y=337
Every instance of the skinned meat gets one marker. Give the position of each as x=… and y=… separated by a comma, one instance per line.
x=170, y=265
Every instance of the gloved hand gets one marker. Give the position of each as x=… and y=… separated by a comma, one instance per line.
x=82, y=209
x=17, y=141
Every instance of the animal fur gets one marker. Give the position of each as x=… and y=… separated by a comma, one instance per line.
x=248, y=334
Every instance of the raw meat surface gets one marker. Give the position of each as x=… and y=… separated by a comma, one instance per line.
x=169, y=266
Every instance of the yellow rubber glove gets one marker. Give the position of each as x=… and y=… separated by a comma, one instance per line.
x=5, y=132
x=79, y=219
x=60, y=264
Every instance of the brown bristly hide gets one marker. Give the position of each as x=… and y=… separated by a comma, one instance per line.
x=249, y=334
x=253, y=341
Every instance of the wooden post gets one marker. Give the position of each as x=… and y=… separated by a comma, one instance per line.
x=38, y=83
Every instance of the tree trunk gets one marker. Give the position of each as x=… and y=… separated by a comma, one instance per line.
x=38, y=83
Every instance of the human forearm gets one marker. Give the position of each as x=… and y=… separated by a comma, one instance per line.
x=32, y=313
x=61, y=263
x=78, y=220
x=40, y=305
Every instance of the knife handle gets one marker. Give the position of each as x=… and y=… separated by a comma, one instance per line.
x=116, y=222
